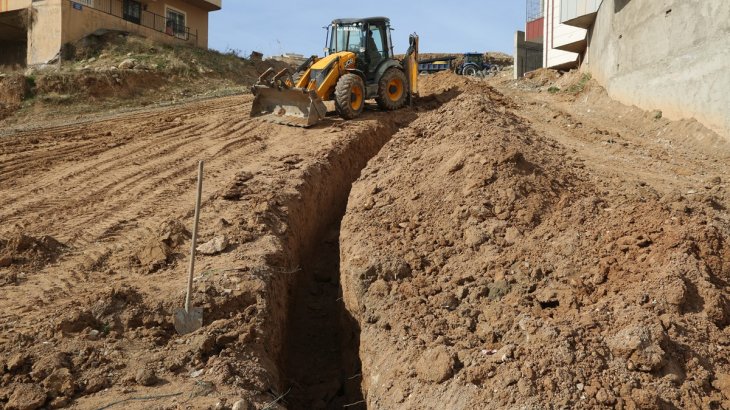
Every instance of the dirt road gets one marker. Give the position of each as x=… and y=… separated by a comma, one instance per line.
x=500, y=246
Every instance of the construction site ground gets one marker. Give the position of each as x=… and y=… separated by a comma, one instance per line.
x=494, y=246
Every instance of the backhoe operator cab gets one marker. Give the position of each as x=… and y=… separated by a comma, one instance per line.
x=383, y=77
x=369, y=39
x=359, y=65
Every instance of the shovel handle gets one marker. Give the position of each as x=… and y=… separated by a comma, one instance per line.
x=191, y=268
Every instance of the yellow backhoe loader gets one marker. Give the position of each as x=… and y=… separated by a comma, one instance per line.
x=359, y=65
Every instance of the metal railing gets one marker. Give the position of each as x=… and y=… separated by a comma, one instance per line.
x=145, y=18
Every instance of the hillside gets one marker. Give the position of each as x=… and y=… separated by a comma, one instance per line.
x=115, y=70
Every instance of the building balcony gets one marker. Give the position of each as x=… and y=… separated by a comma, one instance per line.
x=207, y=5
x=12, y=5
x=569, y=38
x=579, y=13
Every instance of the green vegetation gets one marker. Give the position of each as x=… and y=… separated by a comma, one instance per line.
x=553, y=90
x=580, y=85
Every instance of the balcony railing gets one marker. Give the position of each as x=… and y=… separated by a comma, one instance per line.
x=143, y=18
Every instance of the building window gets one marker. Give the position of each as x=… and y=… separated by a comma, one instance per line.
x=175, y=23
x=132, y=11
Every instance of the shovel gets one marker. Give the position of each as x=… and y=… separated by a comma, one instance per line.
x=190, y=319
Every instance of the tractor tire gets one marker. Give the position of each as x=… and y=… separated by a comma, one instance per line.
x=469, y=70
x=392, y=90
x=350, y=96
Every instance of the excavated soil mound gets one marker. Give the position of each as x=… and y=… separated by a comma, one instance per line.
x=542, y=76
x=13, y=90
x=23, y=251
x=489, y=268
x=434, y=85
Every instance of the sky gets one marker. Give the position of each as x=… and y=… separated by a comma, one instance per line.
x=274, y=27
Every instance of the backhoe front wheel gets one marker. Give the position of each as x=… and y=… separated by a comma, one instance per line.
x=392, y=90
x=350, y=96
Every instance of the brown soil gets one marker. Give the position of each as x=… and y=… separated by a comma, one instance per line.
x=13, y=90
x=531, y=250
x=92, y=326
x=491, y=255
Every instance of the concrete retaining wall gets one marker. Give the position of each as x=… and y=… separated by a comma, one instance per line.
x=668, y=55
x=528, y=55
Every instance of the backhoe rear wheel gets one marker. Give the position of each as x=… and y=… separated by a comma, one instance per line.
x=350, y=96
x=392, y=90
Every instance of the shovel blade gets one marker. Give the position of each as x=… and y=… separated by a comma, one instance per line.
x=187, y=322
x=289, y=106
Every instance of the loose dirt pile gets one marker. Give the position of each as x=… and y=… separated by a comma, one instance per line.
x=13, y=90
x=22, y=252
x=490, y=266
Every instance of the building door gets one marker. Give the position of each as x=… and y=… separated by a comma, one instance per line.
x=375, y=50
x=132, y=11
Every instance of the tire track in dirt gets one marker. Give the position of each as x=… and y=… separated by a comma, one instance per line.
x=29, y=160
x=81, y=175
x=151, y=169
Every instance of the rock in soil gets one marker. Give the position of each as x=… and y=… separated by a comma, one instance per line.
x=242, y=404
x=27, y=397
x=435, y=365
x=214, y=246
x=146, y=377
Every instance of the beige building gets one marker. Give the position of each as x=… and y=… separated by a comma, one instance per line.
x=34, y=31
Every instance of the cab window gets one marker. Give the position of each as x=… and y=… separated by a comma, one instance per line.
x=347, y=38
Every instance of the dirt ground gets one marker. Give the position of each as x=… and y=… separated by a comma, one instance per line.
x=503, y=246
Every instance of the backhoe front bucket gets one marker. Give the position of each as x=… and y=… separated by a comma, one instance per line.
x=291, y=106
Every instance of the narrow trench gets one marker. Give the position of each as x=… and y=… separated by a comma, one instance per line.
x=320, y=351
x=322, y=357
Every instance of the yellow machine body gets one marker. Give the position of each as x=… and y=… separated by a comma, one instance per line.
x=287, y=99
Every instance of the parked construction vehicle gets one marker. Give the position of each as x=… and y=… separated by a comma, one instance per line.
x=474, y=65
x=359, y=65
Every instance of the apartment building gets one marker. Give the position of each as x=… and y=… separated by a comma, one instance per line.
x=33, y=32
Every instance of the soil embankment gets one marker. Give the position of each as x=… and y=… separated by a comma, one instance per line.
x=515, y=250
